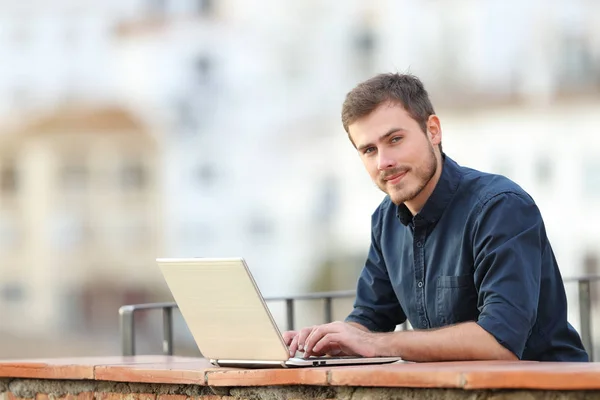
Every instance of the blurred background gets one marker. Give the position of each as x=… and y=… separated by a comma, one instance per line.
x=137, y=129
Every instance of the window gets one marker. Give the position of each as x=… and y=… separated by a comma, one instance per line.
x=591, y=178
x=70, y=231
x=156, y=7
x=196, y=105
x=206, y=175
x=74, y=176
x=187, y=118
x=204, y=7
x=10, y=233
x=12, y=292
x=575, y=63
x=133, y=176
x=364, y=43
x=203, y=69
x=8, y=179
x=543, y=171
x=259, y=226
x=590, y=263
x=327, y=201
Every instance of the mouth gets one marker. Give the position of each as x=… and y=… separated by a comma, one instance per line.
x=394, y=179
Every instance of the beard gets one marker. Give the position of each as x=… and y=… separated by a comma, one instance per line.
x=404, y=190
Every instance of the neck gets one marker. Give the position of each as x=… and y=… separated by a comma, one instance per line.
x=416, y=204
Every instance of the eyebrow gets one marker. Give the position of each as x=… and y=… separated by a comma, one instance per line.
x=382, y=137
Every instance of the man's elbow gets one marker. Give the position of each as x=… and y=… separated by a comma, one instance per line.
x=508, y=356
x=504, y=354
x=493, y=348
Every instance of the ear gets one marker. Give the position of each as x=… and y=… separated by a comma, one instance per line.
x=434, y=130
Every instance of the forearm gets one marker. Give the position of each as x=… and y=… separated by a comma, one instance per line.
x=466, y=341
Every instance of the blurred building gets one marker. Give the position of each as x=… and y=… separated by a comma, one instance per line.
x=79, y=219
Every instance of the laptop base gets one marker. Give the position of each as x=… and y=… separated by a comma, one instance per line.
x=297, y=362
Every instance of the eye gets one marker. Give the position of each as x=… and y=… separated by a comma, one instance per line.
x=369, y=150
x=396, y=139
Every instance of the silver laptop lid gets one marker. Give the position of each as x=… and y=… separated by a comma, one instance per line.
x=223, y=308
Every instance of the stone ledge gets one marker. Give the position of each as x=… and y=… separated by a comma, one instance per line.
x=197, y=372
x=74, y=368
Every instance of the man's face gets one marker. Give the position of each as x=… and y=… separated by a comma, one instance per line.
x=398, y=155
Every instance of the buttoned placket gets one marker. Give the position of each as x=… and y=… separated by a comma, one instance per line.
x=420, y=231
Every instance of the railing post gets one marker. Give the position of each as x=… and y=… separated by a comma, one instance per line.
x=289, y=303
x=127, y=325
x=168, y=331
x=328, y=310
x=585, y=315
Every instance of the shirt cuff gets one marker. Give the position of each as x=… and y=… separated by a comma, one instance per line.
x=511, y=333
x=363, y=321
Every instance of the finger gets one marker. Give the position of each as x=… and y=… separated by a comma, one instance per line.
x=304, y=333
x=315, y=336
x=327, y=343
x=322, y=329
x=294, y=346
x=330, y=349
x=334, y=350
x=288, y=336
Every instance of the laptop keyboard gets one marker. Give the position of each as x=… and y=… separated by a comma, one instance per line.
x=324, y=358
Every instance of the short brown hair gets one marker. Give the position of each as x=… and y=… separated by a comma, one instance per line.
x=407, y=90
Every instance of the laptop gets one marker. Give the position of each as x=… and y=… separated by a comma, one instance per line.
x=229, y=319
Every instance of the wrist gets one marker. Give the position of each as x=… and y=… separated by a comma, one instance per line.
x=358, y=326
x=381, y=344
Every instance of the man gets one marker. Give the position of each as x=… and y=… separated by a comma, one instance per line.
x=462, y=254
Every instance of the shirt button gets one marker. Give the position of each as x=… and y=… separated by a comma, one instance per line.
x=419, y=244
x=420, y=284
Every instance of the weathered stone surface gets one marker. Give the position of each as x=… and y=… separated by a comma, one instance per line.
x=4, y=385
x=73, y=390
x=153, y=388
x=28, y=388
x=284, y=392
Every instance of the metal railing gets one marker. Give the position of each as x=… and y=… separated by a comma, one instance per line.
x=127, y=326
x=127, y=314
x=585, y=310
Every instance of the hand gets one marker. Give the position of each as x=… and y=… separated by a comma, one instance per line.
x=295, y=339
x=334, y=339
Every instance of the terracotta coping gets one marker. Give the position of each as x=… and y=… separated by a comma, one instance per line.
x=198, y=371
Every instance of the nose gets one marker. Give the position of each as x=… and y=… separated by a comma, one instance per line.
x=385, y=161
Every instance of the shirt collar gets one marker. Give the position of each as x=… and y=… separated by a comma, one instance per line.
x=439, y=199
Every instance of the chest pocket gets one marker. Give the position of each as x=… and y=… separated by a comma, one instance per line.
x=456, y=299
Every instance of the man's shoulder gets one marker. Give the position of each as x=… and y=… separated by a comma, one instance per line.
x=384, y=211
x=484, y=186
x=385, y=207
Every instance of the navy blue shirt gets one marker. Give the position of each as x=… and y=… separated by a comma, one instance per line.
x=477, y=251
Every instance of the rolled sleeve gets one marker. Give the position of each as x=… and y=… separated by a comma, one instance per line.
x=376, y=306
x=508, y=248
